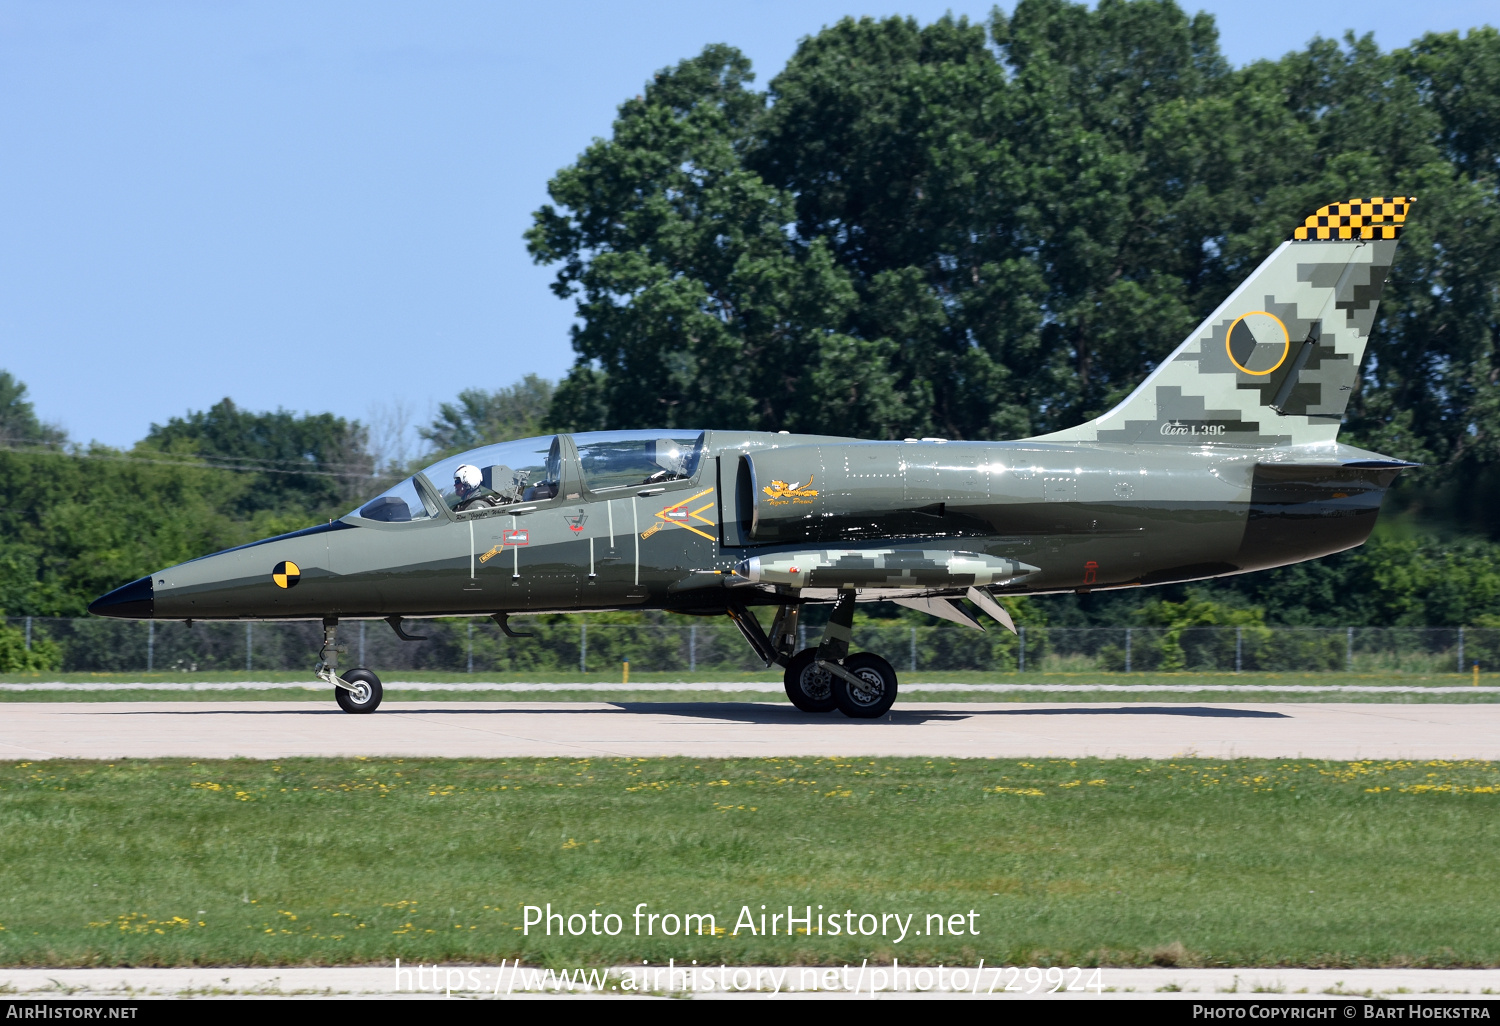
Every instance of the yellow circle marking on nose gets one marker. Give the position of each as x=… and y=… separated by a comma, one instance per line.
x=286, y=574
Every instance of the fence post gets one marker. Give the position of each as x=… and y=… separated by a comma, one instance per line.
x=28, y=638
x=471, y=647
x=583, y=648
x=1239, y=648
x=1460, y=650
x=1127, y=649
x=1349, y=650
x=150, y=643
x=1021, y=652
x=249, y=644
x=693, y=648
x=362, y=644
x=913, y=650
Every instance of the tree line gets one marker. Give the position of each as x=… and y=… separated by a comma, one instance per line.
x=967, y=230
x=992, y=231
x=81, y=520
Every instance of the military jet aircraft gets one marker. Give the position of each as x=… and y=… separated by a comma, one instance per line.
x=1224, y=460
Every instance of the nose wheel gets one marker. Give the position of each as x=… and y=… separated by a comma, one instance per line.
x=357, y=691
x=362, y=694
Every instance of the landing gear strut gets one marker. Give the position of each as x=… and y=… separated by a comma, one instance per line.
x=357, y=691
x=861, y=686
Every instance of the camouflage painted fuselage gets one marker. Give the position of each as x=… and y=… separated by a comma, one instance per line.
x=1224, y=460
x=1085, y=515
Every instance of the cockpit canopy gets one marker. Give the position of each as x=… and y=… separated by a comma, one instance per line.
x=531, y=470
x=629, y=459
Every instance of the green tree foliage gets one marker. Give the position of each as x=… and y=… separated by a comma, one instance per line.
x=480, y=417
x=698, y=306
x=1390, y=581
x=77, y=526
x=17, y=657
x=315, y=462
x=978, y=231
x=19, y=425
x=992, y=231
x=1178, y=617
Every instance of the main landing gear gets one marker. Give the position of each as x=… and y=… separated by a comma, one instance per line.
x=357, y=691
x=814, y=688
x=818, y=680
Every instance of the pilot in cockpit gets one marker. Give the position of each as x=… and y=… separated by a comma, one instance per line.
x=467, y=484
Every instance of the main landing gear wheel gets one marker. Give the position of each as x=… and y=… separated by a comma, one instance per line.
x=366, y=696
x=878, y=691
x=809, y=688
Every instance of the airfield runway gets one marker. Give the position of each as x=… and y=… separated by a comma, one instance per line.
x=279, y=730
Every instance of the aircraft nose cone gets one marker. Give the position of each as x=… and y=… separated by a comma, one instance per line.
x=134, y=601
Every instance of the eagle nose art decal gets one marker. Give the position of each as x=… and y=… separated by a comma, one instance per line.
x=286, y=574
x=781, y=492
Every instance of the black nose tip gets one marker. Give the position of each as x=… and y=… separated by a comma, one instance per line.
x=134, y=601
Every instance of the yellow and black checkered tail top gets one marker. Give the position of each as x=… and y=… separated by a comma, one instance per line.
x=1380, y=217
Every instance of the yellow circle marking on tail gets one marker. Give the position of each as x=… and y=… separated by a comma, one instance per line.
x=286, y=574
x=1257, y=328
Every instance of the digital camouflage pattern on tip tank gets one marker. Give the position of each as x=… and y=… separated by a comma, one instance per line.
x=898, y=570
x=1224, y=460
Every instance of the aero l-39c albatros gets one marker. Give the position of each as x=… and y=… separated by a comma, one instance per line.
x=1226, y=459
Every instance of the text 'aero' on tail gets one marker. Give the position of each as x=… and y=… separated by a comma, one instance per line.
x=1276, y=362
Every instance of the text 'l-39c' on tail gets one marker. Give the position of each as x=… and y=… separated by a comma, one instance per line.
x=1275, y=364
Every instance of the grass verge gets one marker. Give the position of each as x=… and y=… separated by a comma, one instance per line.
x=1188, y=862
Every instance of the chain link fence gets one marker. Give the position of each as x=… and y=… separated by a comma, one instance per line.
x=478, y=646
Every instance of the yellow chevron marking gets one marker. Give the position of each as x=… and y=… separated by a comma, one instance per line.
x=664, y=520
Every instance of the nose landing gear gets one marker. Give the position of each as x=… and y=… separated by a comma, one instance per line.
x=362, y=693
x=357, y=691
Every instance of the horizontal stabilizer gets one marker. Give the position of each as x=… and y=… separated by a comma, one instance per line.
x=1382, y=464
x=945, y=609
x=1376, y=463
x=1340, y=457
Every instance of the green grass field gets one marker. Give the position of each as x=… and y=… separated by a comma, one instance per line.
x=1190, y=862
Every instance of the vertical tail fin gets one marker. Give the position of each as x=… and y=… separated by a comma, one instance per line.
x=1276, y=362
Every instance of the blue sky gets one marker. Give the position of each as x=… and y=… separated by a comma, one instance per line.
x=319, y=205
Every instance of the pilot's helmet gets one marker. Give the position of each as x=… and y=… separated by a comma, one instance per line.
x=466, y=480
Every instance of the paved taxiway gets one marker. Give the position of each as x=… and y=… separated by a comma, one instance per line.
x=278, y=730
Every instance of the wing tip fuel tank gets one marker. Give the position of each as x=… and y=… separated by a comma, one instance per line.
x=883, y=568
